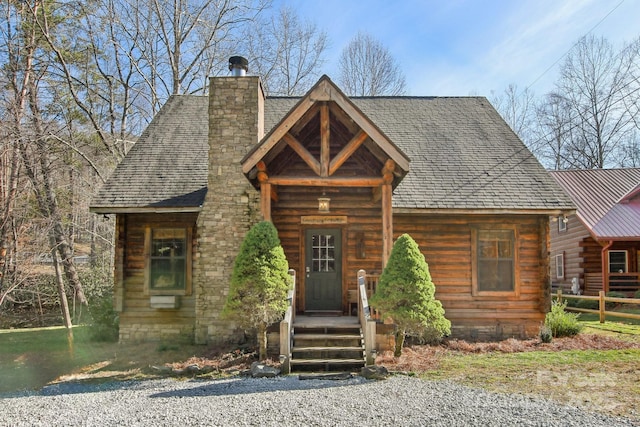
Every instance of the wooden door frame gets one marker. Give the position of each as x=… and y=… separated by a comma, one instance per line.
x=303, y=260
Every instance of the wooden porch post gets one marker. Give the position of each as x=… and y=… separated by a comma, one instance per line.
x=387, y=212
x=605, y=266
x=265, y=200
x=387, y=224
x=265, y=191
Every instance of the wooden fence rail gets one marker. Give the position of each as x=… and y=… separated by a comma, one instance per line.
x=602, y=305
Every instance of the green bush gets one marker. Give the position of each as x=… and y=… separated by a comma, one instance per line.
x=572, y=302
x=614, y=294
x=259, y=283
x=561, y=323
x=104, y=323
x=406, y=293
x=587, y=303
x=636, y=295
x=545, y=334
x=102, y=319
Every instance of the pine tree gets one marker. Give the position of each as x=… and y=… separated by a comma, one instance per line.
x=406, y=293
x=259, y=283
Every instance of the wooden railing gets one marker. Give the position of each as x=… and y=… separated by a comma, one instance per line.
x=602, y=306
x=286, y=327
x=619, y=282
x=624, y=282
x=367, y=323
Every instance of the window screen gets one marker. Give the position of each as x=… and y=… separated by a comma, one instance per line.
x=168, y=258
x=495, y=260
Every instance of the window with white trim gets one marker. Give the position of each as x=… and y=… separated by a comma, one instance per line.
x=560, y=266
x=562, y=224
x=618, y=262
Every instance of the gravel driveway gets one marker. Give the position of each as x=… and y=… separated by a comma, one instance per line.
x=285, y=401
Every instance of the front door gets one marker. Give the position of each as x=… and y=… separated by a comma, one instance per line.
x=323, y=269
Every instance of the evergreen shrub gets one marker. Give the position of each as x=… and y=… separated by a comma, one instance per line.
x=406, y=294
x=259, y=283
x=561, y=323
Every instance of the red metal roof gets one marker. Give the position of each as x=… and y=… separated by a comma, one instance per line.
x=607, y=200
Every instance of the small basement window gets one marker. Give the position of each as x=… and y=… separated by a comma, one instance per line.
x=168, y=256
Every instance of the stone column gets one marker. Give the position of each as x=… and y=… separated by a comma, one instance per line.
x=232, y=205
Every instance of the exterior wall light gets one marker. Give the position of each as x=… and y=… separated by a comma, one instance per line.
x=323, y=204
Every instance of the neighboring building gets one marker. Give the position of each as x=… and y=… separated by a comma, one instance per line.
x=340, y=178
x=598, y=248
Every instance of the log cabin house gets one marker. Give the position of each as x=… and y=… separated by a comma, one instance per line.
x=340, y=177
x=598, y=248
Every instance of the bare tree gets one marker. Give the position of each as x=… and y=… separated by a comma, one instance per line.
x=517, y=108
x=27, y=64
x=176, y=45
x=19, y=44
x=367, y=68
x=286, y=52
x=631, y=152
x=597, y=86
x=554, y=127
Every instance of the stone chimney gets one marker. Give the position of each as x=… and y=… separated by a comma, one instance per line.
x=231, y=207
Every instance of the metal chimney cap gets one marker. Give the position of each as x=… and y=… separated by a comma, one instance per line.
x=238, y=65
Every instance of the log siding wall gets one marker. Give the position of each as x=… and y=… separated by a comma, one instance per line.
x=571, y=243
x=583, y=255
x=138, y=321
x=446, y=243
x=364, y=222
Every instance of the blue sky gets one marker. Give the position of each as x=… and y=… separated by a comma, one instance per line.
x=471, y=47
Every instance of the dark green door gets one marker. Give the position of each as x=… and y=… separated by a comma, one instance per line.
x=323, y=269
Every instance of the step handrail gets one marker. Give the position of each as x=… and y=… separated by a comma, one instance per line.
x=286, y=326
x=367, y=323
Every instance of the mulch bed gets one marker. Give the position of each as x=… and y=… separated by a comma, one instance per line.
x=423, y=357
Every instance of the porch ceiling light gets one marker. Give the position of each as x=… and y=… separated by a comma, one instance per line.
x=323, y=203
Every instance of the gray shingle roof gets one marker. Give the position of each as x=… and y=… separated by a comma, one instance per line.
x=463, y=156
x=167, y=167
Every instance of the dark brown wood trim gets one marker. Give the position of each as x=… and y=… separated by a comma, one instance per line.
x=347, y=151
x=365, y=181
x=265, y=200
x=303, y=153
x=325, y=140
x=387, y=224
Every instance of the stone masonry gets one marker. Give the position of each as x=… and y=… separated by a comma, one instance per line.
x=236, y=124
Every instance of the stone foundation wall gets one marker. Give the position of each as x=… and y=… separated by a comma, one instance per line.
x=137, y=332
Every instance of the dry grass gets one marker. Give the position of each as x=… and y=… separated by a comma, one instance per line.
x=592, y=371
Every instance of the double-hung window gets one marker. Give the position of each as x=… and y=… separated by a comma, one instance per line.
x=560, y=266
x=494, y=261
x=617, y=261
x=168, y=260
